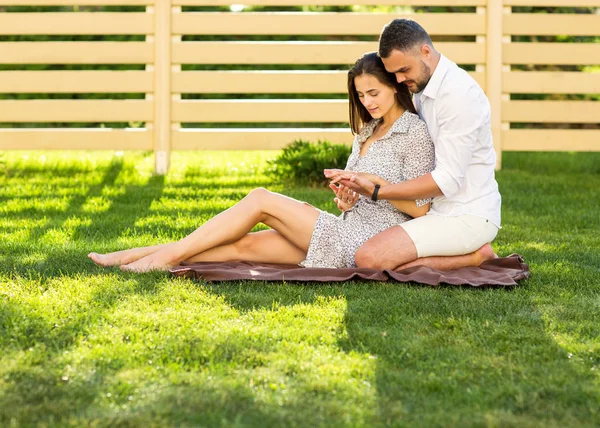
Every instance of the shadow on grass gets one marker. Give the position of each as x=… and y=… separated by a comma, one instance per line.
x=76, y=202
x=20, y=258
x=103, y=224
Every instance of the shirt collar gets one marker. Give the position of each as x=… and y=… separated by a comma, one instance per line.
x=437, y=77
x=401, y=126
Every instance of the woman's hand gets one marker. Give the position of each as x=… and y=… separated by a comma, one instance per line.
x=345, y=198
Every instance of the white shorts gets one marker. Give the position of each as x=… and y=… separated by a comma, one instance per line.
x=436, y=235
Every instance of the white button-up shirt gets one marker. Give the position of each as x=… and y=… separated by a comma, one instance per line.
x=457, y=114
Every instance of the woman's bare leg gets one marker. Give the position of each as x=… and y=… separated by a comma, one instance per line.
x=266, y=246
x=293, y=220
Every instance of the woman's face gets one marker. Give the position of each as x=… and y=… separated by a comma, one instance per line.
x=377, y=98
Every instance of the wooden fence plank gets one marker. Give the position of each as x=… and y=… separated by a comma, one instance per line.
x=541, y=24
x=75, y=110
x=75, y=139
x=76, y=2
x=84, y=81
x=551, y=111
x=76, y=52
x=258, y=82
x=551, y=82
x=552, y=53
x=553, y=3
x=290, y=23
x=332, y=2
x=70, y=23
x=302, y=52
x=551, y=140
x=261, y=111
x=253, y=139
x=269, y=82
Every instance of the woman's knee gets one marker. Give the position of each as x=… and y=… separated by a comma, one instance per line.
x=264, y=202
x=258, y=193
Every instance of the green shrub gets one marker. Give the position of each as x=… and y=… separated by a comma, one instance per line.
x=303, y=162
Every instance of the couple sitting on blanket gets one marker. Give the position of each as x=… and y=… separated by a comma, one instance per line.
x=418, y=188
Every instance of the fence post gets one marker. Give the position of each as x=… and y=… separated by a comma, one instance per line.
x=149, y=125
x=162, y=86
x=494, y=72
x=506, y=68
x=175, y=71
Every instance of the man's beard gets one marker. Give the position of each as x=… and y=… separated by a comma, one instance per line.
x=423, y=80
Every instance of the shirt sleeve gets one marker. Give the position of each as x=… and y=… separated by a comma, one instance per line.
x=420, y=155
x=460, y=118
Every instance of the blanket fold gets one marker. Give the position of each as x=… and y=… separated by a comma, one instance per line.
x=502, y=272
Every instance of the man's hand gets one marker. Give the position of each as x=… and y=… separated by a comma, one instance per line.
x=334, y=174
x=345, y=198
x=360, y=185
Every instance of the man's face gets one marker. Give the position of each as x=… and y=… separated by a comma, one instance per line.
x=410, y=68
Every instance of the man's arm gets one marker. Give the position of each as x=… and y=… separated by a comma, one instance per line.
x=419, y=188
x=460, y=119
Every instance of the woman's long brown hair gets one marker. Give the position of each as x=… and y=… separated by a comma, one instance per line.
x=371, y=64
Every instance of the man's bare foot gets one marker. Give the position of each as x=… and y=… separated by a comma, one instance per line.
x=485, y=253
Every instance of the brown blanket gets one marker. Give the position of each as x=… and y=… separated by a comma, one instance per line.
x=504, y=271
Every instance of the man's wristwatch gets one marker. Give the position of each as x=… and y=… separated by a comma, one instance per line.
x=375, y=192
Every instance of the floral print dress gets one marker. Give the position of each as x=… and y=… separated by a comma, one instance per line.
x=404, y=153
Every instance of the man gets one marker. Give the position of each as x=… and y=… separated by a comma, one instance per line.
x=465, y=211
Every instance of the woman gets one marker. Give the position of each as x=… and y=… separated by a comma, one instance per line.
x=391, y=145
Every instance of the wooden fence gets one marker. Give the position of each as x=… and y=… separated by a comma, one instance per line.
x=481, y=37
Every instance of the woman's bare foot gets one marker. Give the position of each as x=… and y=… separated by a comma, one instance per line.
x=161, y=260
x=124, y=257
x=104, y=260
x=484, y=254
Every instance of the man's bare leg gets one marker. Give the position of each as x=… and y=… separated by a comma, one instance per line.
x=393, y=249
x=454, y=262
x=386, y=250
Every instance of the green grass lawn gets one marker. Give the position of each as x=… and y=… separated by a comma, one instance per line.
x=81, y=345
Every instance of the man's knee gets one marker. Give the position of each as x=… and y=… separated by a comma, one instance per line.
x=366, y=257
x=387, y=250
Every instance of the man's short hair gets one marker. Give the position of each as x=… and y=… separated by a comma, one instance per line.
x=402, y=35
